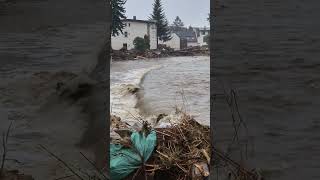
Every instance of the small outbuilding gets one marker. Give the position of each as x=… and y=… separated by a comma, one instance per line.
x=175, y=42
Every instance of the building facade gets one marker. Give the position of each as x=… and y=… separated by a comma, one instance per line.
x=175, y=42
x=201, y=33
x=189, y=36
x=135, y=28
x=181, y=38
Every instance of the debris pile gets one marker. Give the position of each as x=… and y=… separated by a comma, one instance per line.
x=162, y=51
x=182, y=152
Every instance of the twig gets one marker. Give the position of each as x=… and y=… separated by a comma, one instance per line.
x=64, y=177
x=3, y=154
x=5, y=138
x=60, y=160
x=100, y=172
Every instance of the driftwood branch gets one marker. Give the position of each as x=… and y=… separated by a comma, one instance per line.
x=5, y=138
x=97, y=169
x=60, y=160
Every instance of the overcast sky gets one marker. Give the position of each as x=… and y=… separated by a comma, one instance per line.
x=191, y=12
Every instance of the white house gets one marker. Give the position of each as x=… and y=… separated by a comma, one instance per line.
x=201, y=33
x=181, y=38
x=135, y=28
x=188, y=35
x=175, y=42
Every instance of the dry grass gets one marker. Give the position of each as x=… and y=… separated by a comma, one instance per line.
x=179, y=148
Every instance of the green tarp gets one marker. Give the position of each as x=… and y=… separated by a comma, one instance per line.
x=125, y=160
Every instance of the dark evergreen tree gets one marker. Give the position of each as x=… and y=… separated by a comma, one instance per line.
x=118, y=14
x=147, y=41
x=140, y=44
x=177, y=22
x=158, y=15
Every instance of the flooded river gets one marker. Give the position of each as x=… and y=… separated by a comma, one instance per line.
x=46, y=36
x=268, y=51
x=164, y=84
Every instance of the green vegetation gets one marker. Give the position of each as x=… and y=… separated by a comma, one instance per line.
x=147, y=41
x=141, y=44
x=177, y=23
x=158, y=15
x=118, y=14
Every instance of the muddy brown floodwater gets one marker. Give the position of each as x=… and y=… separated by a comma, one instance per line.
x=37, y=37
x=164, y=83
x=268, y=51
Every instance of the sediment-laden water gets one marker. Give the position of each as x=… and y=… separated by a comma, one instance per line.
x=46, y=36
x=268, y=51
x=164, y=84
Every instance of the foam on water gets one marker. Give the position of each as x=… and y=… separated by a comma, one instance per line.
x=159, y=82
x=123, y=102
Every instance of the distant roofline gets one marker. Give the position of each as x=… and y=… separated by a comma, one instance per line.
x=206, y=29
x=202, y=28
x=138, y=20
x=194, y=37
x=199, y=28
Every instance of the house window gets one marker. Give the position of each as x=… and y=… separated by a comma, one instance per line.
x=129, y=24
x=203, y=33
x=125, y=34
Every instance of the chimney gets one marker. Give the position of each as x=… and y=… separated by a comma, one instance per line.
x=134, y=18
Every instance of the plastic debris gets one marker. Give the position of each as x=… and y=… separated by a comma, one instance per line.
x=127, y=158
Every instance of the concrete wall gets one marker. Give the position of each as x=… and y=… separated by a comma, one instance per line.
x=135, y=29
x=193, y=44
x=153, y=36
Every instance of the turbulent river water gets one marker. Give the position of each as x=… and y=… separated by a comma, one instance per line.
x=268, y=51
x=43, y=37
x=164, y=84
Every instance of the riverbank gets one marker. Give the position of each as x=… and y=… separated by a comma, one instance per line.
x=150, y=89
x=182, y=149
x=118, y=55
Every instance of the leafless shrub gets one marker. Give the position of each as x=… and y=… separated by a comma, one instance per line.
x=5, y=138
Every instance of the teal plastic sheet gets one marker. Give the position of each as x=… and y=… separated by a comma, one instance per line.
x=125, y=160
